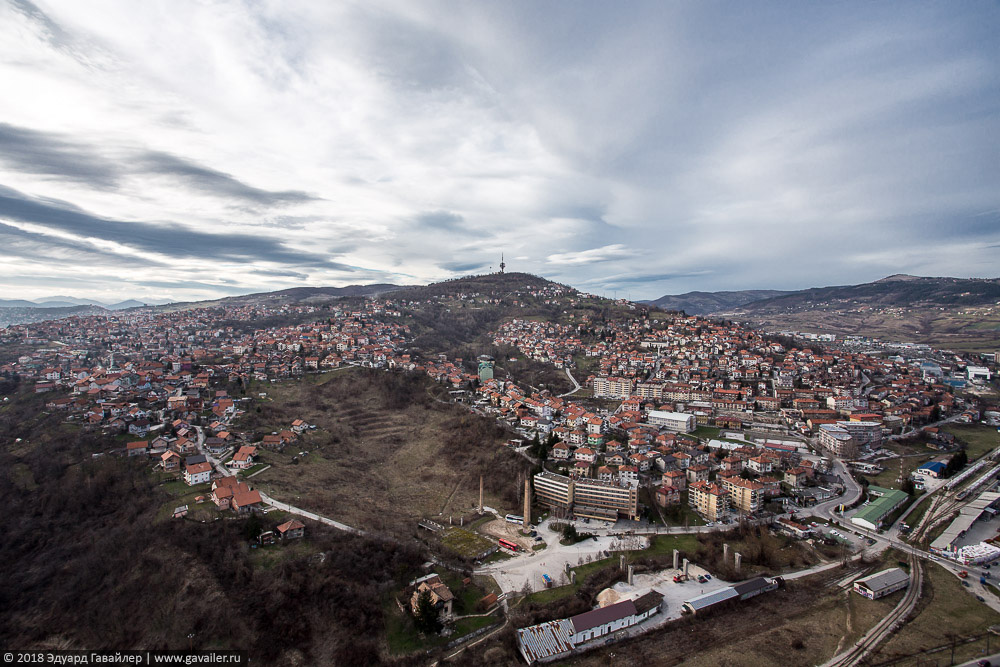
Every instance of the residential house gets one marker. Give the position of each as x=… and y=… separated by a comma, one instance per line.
x=137, y=448
x=197, y=473
x=170, y=461
x=291, y=530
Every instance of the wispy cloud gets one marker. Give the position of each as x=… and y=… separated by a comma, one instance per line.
x=660, y=147
x=602, y=254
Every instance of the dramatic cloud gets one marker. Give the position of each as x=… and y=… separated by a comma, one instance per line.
x=604, y=254
x=188, y=150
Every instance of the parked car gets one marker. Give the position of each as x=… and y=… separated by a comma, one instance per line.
x=966, y=584
x=980, y=598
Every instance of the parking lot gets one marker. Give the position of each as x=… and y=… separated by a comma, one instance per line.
x=528, y=568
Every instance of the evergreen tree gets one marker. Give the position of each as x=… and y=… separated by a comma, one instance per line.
x=426, y=617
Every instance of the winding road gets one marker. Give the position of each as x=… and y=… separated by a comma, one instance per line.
x=575, y=384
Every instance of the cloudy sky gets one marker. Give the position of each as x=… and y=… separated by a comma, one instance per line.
x=193, y=149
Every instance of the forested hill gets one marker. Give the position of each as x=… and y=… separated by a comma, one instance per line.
x=703, y=303
x=897, y=290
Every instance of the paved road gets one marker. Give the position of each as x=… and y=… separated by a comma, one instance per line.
x=974, y=588
x=576, y=384
x=309, y=515
x=852, y=491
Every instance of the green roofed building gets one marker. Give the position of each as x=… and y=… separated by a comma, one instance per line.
x=885, y=503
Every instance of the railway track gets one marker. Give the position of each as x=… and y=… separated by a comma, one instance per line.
x=887, y=625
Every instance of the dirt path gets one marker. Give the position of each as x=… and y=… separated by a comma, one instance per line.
x=507, y=530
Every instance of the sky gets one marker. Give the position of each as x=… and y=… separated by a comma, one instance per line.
x=183, y=150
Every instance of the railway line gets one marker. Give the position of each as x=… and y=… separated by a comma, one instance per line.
x=887, y=625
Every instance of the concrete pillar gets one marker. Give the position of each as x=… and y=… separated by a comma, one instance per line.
x=677, y=558
x=621, y=562
x=572, y=576
x=527, y=502
x=686, y=563
x=449, y=520
x=631, y=571
x=739, y=560
x=725, y=552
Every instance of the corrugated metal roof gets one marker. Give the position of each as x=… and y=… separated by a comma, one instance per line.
x=751, y=585
x=881, y=507
x=545, y=640
x=884, y=579
x=708, y=599
x=967, y=516
x=598, y=617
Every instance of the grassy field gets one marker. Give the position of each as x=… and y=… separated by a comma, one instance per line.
x=914, y=518
x=888, y=477
x=805, y=623
x=402, y=636
x=465, y=543
x=706, y=432
x=837, y=620
x=977, y=438
x=582, y=572
x=946, y=611
x=182, y=494
x=384, y=452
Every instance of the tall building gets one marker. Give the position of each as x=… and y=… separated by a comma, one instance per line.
x=554, y=491
x=744, y=495
x=838, y=440
x=709, y=500
x=612, y=387
x=865, y=433
x=592, y=498
x=596, y=499
x=485, y=368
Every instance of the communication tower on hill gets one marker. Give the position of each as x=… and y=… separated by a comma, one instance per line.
x=502, y=265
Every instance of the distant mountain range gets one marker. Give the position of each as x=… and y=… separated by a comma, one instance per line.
x=704, y=303
x=946, y=312
x=896, y=290
x=68, y=302
x=951, y=313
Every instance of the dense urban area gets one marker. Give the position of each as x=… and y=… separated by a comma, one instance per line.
x=495, y=469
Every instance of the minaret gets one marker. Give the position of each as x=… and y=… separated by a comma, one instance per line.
x=502, y=265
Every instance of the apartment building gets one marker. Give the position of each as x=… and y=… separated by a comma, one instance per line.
x=744, y=495
x=554, y=491
x=838, y=440
x=604, y=500
x=612, y=387
x=592, y=498
x=709, y=500
x=865, y=433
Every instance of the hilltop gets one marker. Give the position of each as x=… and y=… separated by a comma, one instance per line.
x=947, y=312
x=961, y=313
x=704, y=303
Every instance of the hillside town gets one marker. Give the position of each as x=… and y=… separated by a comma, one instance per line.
x=673, y=422
x=166, y=379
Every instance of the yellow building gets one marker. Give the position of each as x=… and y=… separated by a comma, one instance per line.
x=709, y=500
